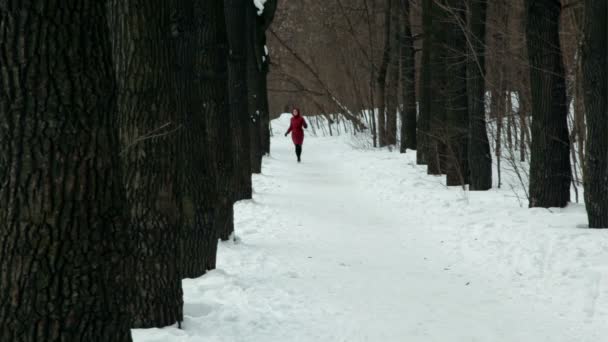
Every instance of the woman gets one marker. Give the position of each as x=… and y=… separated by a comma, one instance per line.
x=297, y=131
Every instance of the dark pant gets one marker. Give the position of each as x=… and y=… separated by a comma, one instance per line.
x=298, y=151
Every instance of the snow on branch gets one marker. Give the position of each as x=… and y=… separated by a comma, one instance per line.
x=260, y=5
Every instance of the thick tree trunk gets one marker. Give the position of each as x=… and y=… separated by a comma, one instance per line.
x=457, y=114
x=149, y=126
x=63, y=236
x=201, y=100
x=426, y=87
x=550, y=174
x=235, y=13
x=480, y=157
x=255, y=92
x=408, y=82
x=221, y=122
x=264, y=22
x=595, y=68
x=437, y=136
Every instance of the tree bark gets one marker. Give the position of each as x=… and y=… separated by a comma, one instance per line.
x=408, y=83
x=392, y=87
x=381, y=80
x=235, y=14
x=201, y=99
x=143, y=54
x=480, y=157
x=426, y=87
x=438, y=135
x=595, y=83
x=64, y=242
x=550, y=173
x=457, y=168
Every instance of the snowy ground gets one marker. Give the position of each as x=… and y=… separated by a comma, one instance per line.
x=356, y=245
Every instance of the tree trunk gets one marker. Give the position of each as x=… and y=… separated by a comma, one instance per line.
x=480, y=157
x=550, y=173
x=255, y=91
x=63, y=234
x=149, y=135
x=457, y=168
x=408, y=82
x=595, y=66
x=437, y=136
x=264, y=21
x=382, y=73
x=426, y=87
x=201, y=100
x=235, y=14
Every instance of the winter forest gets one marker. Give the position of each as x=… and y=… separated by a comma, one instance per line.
x=271, y=170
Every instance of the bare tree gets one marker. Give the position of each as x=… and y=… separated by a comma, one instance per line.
x=595, y=68
x=550, y=173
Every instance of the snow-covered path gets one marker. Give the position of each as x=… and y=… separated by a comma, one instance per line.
x=363, y=246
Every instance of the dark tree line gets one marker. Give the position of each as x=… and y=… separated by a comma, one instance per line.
x=128, y=129
x=452, y=131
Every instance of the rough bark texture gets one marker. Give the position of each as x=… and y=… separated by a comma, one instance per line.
x=457, y=113
x=595, y=68
x=144, y=53
x=408, y=82
x=63, y=236
x=480, y=157
x=201, y=97
x=235, y=14
x=550, y=174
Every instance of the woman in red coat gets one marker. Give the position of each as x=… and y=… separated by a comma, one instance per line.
x=297, y=131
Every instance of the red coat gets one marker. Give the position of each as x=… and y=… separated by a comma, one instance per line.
x=297, y=129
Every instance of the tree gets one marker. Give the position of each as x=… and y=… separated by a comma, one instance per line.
x=437, y=134
x=426, y=87
x=201, y=99
x=150, y=130
x=63, y=236
x=408, y=82
x=550, y=173
x=235, y=13
x=457, y=164
x=381, y=80
x=480, y=158
x=595, y=83
x=257, y=70
x=392, y=86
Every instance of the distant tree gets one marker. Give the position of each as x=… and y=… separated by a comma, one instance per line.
x=457, y=119
x=257, y=70
x=426, y=88
x=440, y=58
x=382, y=75
x=480, y=158
x=550, y=174
x=595, y=83
x=408, y=81
x=64, y=241
x=150, y=130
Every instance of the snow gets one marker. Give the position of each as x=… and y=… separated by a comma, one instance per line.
x=361, y=245
x=260, y=5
